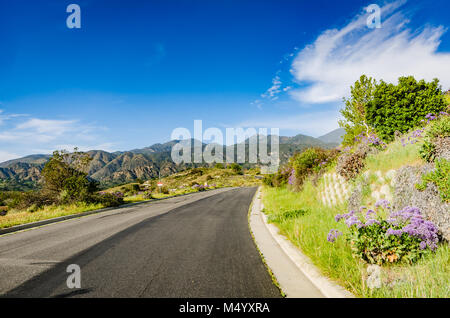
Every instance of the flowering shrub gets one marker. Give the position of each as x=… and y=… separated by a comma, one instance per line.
x=402, y=237
x=280, y=178
x=291, y=180
x=371, y=140
x=413, y=137
x=311, y=161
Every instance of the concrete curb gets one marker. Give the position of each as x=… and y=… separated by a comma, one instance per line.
x=31, y=225
x=327, y=287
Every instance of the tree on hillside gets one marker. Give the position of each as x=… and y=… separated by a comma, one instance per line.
x=402, y=107
x=65, y=176
x=354, y=111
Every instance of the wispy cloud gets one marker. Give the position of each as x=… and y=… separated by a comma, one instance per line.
x=274, y=89
x=338, y=57
x=38, y=135
x=4, y=117
x=51, y=127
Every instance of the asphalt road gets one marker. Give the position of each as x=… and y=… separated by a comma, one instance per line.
x=192, y=246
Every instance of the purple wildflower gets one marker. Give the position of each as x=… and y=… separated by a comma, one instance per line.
x=353, y=220
x=333, y=235
x=383, y=203
x=372, y=221
x=370, y=212
x=391, y=231
x=291, y=177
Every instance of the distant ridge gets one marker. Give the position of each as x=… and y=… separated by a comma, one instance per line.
x=334, y=136
x=149, y=162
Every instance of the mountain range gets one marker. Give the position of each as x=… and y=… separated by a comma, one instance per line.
x=146, y=163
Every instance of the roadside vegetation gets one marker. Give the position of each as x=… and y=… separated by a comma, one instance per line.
x=349, y=209
x=66, y=189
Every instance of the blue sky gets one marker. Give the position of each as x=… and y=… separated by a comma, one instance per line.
x=136, y=70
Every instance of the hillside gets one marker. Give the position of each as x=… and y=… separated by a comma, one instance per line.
x=374, y=216
x=334, y=137
x=146, y=163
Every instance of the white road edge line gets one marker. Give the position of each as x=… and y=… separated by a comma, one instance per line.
x=327, y=287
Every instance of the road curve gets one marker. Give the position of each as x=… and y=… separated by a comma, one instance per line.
x=193, y=246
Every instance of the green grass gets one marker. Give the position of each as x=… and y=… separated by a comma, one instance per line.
x=430, y=277
x=21, y=217
x=394, y=157
x=308, y=231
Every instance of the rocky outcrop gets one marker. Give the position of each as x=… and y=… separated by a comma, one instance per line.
x=442, y=147
x=428, y=201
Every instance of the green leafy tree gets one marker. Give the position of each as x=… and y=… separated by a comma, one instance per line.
x=354, y=111
x=65, y=176
x=402, y=107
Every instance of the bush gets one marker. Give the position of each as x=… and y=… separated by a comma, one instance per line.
x=34, y=200
x=403, y=237
x=278, y=179
x=131, y=189
x=349, y=165
x=305, y=163
x=148, y=195
x=401, y=107
x=218, y=166
x=108, y=199
x=236, y=168
x=165, y=190
x=440, y=177
x=267, y=180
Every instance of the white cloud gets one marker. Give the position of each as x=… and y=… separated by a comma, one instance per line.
x=313, y=124
x=338, y=57
x=51, y=127
x=35, y=135
x=5, y=156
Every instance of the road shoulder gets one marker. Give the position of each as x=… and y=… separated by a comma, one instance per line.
x=295, y=273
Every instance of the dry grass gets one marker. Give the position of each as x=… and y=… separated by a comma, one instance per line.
x=22, y=217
